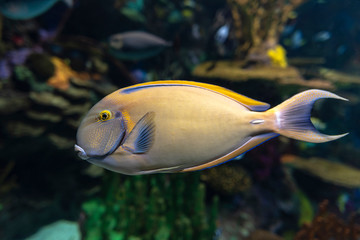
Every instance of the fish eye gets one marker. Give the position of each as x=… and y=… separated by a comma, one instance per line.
x=104, y=115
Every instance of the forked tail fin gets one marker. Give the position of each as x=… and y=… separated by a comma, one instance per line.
x=292, y=117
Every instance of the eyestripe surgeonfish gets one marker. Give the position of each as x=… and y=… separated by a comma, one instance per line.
x=179, y=126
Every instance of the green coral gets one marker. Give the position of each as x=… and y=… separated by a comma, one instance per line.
x=306, y=210
x=156, y=207
x=24, y=78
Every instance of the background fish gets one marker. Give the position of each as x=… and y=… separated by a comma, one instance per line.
x=136, y=45
x=26, y=9
x=173, y=126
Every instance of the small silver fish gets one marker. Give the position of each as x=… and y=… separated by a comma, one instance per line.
x=179, y=126
x=222, y=33
x=136, y=40
x=322, y=36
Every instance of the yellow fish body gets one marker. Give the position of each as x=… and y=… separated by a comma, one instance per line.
x=174, y=126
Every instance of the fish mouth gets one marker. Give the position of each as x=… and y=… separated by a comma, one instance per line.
x=84, y=156
x=81, y=153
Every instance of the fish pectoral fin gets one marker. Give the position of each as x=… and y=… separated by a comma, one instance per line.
x=141, y=138
x=247, y=145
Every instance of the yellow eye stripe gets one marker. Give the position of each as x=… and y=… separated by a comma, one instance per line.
x=104, y=116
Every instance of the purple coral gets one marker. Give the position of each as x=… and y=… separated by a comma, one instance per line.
x=19, y=56
x=5, y=71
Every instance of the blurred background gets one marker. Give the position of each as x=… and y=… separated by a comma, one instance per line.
x=59, y=57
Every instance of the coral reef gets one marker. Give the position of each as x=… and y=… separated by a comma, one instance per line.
x=227, y=179
x=337, y=77
x=232, y=71
x=49, y=112
x=236, y=223
x=150, y=207
x=258, y=25
x=327, y=226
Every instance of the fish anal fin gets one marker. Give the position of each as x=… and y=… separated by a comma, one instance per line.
x=248, y=145
x=249, y=103
x=141, y=138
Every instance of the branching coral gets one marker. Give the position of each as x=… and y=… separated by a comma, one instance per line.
x=163, y=207
x=258, y=24
x=327, y=226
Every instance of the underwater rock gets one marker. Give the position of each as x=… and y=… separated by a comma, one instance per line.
x=81, y=84
x=21, y=129
x=333, y=172
x=326, y=225
x=60, y=230
x=11, y=102
x=299, y=61
x=236, y=223
x=263, y=235
x=40, y=116
x=74, y=94
x=232, y=71
x=48, y=99
x=227, y=179
x=40, y=64
x=136, y=45
x=102, y=88
x=338, y=78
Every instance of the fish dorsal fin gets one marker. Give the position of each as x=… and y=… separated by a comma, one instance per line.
x=249, y=103
x=141, y=137
x=248, y=144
